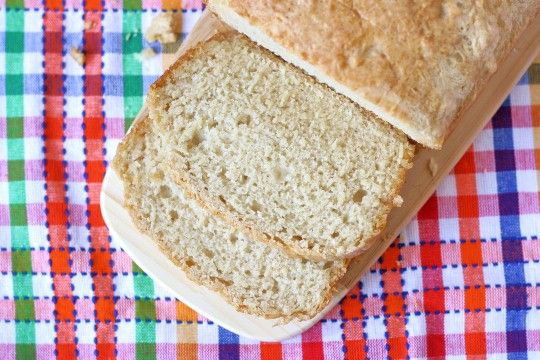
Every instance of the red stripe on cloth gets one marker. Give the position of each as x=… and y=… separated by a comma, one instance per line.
x=430, y=256
x=312, y=343
x=95, y=171
x=353, y=327
x=55, y=179
x=394, y=304
x=271, y=351
x=471, y=253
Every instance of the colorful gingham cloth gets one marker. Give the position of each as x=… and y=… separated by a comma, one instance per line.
x=462, y=282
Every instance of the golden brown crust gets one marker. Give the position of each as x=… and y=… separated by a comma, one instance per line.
x=418, y=63
x=120, y=164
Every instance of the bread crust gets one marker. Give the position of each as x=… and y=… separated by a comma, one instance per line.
x=178, y=171
x=120, y=161
x=418, y=65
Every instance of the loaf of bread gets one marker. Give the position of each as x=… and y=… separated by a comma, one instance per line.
x=254, y=277
x=276, y=154
x=417, y=64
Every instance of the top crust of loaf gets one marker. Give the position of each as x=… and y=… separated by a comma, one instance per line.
x=189, y=119
x=416, y=64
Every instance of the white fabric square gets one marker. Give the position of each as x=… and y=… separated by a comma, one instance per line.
x=520, y=96
x=5, y=237
x=484, y=141
x=454, y=323
x=2, y=23
x=73, y=22
x=524, y=138
x=6, y=285
x=33, y=64
x=455, y=357
x=79, y=237
x=112, y=64
x=493, y=274
x=33, y=21
x=416, y=325
x=496, y=321
x=72, y=67
x=82, y=284
x=7, y=329
x=112, y=22
x=4, y=192
x=110, y=146
x=74, y=106
x=242, y=340
x=449, y=228
x=498, y=356
x=533, y=319
x=490, y=227
x=331, y=331
x=532, y=274
x=165, y=332
x=33, y=148
x=74, y=150
x=37, y=235
x=372, y=283
x=33, y=106
x=42, y=285
x=453, y=277
x=45, y=333
x=161, y=292
x=35, y=192
x=375, y=328
x=486, y=183
x=124, y=286
x=85, y=332
x=207, y=334
x=189, y=20
x=412, y=279
x=126, y=332
x=447, y=187
x=76, y=193
x=114, y=106
x=3, y=112
x=526, y=181
x=530, y=224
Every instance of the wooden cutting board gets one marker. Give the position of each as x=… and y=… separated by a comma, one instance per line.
x=421, y=182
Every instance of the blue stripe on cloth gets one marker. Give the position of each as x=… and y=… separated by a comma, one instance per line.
x=229, y=347
x=514, y=274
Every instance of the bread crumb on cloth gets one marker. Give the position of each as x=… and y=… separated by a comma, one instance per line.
x=77, y=55
x=164, y=28
x=88, y=24
x=146, y=54
x=433, y=166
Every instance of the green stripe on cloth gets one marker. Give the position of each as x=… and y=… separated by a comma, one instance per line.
x=21, y=260
x=145, y=313
x=132, y=67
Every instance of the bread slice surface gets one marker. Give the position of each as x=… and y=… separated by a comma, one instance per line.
x=417, y=64
x=275, y=153
x=254, y=277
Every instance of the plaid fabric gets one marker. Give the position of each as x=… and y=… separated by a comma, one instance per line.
x=463, y=280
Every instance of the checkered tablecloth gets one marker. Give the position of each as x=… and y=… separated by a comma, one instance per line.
x=463, y=281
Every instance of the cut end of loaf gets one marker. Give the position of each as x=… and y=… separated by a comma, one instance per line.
x=276, y=154
x=253, y=277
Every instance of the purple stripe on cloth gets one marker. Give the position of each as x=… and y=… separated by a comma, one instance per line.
x=166, y=351
x=495, y=342
x=7, y=309
x=44, y=309
x=74, y=128
x=77, y=215
x=4, y=215
x=45, y=351
x=528, y=203
x=85, y=309
x=525, y=159
x=3, y=171
x=455, y=344
x=114, y=128
x=533, y=340
x=8, y=351
x=3, y=127
x=125, y=351
x=33, y=169
x=40, y=261
x=5, y=261
x=521, y=116
x=33, y=126
x=86, y=351
x=75, y=169
x=36, y=214
x=165, y=310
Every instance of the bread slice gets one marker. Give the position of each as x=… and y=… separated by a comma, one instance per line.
x=275, y=153
x=416, y=64
x=254, y=277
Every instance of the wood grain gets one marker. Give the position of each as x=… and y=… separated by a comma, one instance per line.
x=419, y=186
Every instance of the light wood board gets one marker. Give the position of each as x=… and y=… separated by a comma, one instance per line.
x=418, y=187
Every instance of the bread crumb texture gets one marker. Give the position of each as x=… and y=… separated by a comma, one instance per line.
x=165, y=28
x=254, y=277
x=275, y=153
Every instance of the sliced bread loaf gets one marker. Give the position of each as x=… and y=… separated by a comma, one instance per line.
x=417, y=64
x=252, y=276
x=276, y=154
